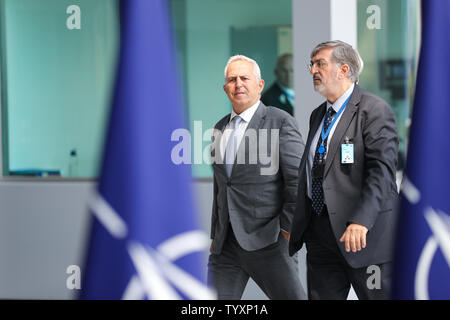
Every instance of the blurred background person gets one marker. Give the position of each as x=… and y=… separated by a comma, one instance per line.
x=281, y=93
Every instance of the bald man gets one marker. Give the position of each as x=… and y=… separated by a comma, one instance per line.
x=281, y=92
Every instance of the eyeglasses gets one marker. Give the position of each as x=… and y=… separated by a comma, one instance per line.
x=319, y=64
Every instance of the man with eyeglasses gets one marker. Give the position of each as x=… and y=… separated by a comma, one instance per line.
x=347, y=193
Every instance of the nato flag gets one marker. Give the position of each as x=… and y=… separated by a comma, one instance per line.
x=422, y=256
x=145, y=242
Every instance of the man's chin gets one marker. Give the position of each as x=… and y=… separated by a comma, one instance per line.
x=240, y=103
x=241, y=106
x=319, y=88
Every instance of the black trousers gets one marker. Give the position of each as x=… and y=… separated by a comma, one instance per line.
x=329, y=275
x=272, y=269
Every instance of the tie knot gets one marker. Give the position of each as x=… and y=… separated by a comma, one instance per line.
x=237, y=120
x=330, y=112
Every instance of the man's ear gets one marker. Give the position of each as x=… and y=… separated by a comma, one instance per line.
x=261, y=85
x=344, y=70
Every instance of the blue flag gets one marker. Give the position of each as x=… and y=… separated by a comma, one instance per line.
x=145, y=242
x=422, y=256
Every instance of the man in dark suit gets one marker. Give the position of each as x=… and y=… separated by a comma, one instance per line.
x=256, y=152
x=347, y=190
x=281, y=93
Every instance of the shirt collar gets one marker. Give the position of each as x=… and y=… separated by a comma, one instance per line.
x=246, y=115
x=340, y=101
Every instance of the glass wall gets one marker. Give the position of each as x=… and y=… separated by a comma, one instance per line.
x=57, y=60
x=388, y=41
x=208, y=32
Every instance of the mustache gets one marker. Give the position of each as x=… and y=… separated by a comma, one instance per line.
x=317, y=77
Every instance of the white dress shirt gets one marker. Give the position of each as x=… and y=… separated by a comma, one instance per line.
x=336, y=106
x=246, y=116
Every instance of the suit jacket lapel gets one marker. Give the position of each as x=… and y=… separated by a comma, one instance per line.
x=258, y=116
x=219, y=160
x=342, y=126
x=316, y=123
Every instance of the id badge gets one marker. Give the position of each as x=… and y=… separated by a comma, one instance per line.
x=347, y=153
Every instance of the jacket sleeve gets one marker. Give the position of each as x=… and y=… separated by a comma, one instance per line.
x=291, y=151
x=214, y=214
x=380, y=154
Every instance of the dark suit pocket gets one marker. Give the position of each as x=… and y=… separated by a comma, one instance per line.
x=267, y=204
x=346, y=169
x=266, y=212
x=389, y=204
x=349, y=168
x=385, y=211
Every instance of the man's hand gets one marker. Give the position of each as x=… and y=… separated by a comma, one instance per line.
x=285, y=234
x=354, y=237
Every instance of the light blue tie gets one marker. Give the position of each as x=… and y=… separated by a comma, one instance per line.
x=230, y=151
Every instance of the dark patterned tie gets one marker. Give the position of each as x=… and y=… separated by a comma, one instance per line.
x=317, y=189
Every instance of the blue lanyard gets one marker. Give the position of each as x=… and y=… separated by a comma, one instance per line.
x=325, y=134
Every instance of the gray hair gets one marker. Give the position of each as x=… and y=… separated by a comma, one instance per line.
x=256, y=69
x=343, y=53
